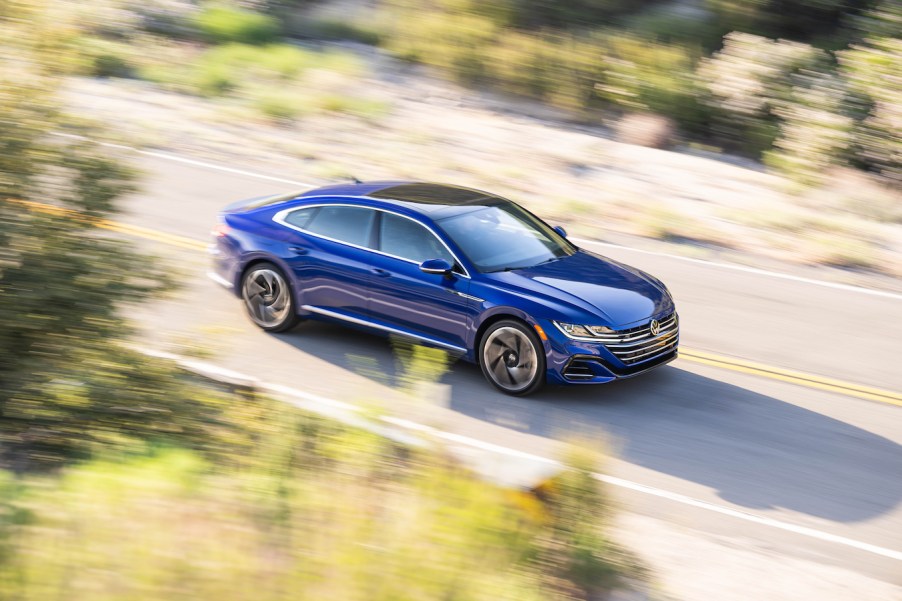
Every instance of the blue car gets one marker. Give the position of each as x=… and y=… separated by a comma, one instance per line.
x=450, y=267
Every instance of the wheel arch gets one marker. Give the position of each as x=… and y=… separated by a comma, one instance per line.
x=256, y=260
x=501, y=314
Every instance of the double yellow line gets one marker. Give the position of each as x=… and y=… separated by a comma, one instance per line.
x=704, y=358
x=793, y=377
x=115, y=226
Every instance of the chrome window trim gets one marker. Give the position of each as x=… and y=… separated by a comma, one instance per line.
x=363, y=322
x=280, y=218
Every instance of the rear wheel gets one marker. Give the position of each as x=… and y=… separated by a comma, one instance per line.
x=512, y=358
x=268, y=299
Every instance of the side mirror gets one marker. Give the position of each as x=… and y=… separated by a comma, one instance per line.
x=560, y=230
x=436, y=266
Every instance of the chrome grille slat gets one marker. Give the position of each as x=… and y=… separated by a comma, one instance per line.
x=657, y=349
x=618, y=338
x=663, y=334
x=636, y=344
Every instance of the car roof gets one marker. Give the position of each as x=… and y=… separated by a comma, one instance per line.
x=437, y=200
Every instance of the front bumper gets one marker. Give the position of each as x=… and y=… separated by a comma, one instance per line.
x=587, y=362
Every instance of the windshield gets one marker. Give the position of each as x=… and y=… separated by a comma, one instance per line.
x=504, y=237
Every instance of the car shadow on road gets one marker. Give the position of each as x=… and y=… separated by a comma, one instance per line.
x=756, y=451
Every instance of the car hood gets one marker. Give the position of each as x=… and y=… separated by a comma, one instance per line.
x=618, y=293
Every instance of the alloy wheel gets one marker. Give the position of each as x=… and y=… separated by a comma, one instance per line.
x=267, y=298
x=510, y=359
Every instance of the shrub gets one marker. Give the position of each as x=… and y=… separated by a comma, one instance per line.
x=814, y=134
x=221, y=23
x=559, y=69
x=105, y=58
x=653, y=77
x=747, y=80
x=278, y=104
x=214, y=79
x=874, y=71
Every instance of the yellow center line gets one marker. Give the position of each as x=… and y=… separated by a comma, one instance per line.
x=793, y=377
x=116, y=226
x=705, y=358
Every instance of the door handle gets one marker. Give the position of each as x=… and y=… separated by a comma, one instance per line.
x=298, y=250
x=382, y=273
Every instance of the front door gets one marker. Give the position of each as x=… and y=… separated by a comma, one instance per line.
x=403, y=297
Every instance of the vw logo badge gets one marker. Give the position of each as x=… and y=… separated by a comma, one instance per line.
x=654, y=327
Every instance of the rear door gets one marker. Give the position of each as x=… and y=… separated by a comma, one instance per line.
x=331, y=256
x=404, y=297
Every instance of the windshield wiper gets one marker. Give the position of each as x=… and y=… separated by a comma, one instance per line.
x=524, y=266
x=499, y=270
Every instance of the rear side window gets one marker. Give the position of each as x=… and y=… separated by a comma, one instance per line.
x=352, y=225
x=410, y=240
x=302, y=217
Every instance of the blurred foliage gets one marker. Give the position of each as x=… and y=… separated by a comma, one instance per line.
x=814, y=132
x=736, y=74
x=747, y=80
x=802, y=20
x=753, y=95
x=316, y=510
x=68, y=386
x=220, y=23
x=581, y=13
x=874, y=72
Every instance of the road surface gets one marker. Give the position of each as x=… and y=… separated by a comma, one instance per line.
x=800, y=455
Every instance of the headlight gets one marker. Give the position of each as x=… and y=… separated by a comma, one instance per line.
x=578, y=331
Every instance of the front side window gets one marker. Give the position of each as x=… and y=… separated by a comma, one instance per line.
x=503, y=236
x=407, y=239
x=352, y=225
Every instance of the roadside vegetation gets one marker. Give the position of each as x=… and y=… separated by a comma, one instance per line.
x=804, y=85
x=122, y=477
x=313, y=510
x=808, y=90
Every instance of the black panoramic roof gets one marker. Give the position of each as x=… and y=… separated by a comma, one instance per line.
x=434, y=194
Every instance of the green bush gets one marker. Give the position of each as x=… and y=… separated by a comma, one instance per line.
x=278, y=105
x=105, y=58
x=222, y=23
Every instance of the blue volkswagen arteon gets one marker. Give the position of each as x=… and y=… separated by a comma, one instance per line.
x=450, y=267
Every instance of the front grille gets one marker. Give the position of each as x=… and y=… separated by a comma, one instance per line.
x=638, y=344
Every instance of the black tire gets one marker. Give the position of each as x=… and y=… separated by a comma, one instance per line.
x=268, y=298
x=512, y=357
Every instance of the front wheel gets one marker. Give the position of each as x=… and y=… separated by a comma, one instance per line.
x=512, y=358
x=268, y=299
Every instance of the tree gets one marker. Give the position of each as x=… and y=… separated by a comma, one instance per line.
x=67, y=382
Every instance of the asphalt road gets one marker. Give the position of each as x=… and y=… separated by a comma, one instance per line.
x=803, y=456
